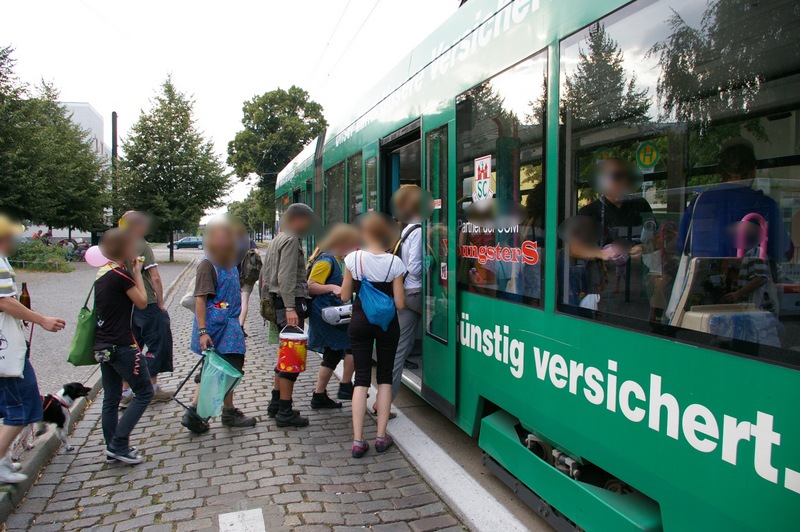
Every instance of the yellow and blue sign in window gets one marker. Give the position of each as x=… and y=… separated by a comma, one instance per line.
x=647, y=155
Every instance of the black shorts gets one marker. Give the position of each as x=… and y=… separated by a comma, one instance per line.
x=332, y=357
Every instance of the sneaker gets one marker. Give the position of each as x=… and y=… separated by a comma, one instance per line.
x=359, y=448
x=12, y=465
x=162, y=396
x=193, y=422
x=132, y=456
x=9, y=476
x=382, y=444
x=410, y=365
x=321, y=400
x=125, y=401
x=233, y=417
x=345, y=391
x=110, y=460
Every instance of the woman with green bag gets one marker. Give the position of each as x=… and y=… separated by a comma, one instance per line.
x=20, y=401
x=116, y=291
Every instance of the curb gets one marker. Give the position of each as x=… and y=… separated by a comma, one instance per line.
x=48, y=445
x=456, y=487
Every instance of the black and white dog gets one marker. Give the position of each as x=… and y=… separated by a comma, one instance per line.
x=56, y=412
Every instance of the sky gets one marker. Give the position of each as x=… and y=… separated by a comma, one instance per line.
x=114, y=55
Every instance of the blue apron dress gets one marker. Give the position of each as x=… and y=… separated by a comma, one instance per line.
x=322, y=334
x=222, y=315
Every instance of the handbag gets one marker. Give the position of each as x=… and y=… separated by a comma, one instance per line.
x=13, y=346
x=81, y=348
x=378, y=307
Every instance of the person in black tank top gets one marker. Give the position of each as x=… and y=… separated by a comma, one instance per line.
x=385, y=272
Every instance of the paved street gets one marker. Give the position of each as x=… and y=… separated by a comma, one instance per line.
x=62, y=295
x=302, y=480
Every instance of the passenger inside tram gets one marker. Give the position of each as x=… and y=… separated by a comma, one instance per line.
x=711, y=125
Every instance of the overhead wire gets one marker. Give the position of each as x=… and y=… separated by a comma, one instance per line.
x=330, y=38
x=349, y=44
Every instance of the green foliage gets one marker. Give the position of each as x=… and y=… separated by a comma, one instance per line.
x=257, y=207
x=170, y=170
x=51, y=173
x=598, y=93
x=36, y=255
x=277, y=125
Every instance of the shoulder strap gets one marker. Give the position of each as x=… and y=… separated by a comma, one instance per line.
x=88, y=296
x=404, y=237
x=116, y=270
x=390, y=268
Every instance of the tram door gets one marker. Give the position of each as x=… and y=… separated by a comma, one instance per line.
x=439, y=364
x=420, y=155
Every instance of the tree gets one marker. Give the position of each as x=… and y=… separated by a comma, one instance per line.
x=277, y=125
x=51, y=173
x=257, y=207
x=597, y=93
x=170, y=170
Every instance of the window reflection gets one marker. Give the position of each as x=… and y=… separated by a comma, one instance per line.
x=334, y=194
x=500, y=150
x=683, y=173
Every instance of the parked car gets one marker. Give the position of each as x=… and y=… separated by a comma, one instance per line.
x=189, y=242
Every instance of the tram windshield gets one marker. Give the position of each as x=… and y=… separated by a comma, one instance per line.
x=681, y=161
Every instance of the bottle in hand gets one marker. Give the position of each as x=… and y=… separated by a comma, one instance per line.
x=24, y=296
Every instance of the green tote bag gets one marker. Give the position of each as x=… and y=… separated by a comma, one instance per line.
x=81, y=349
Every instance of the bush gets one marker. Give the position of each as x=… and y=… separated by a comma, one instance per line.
x=36, y=255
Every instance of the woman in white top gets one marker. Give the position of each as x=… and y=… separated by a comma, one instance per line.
x=385, y=272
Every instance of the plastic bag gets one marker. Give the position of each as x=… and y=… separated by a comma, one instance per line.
x=218, y=379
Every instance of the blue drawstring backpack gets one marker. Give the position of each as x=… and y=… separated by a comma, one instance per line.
x=377, y=306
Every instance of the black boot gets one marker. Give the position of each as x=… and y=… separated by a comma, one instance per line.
x=345, y=391
x=193, y=422
x=286, y=417
x=233, y=417
x=273, y=407
x=321, y=400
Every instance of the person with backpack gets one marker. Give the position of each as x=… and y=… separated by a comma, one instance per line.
x=409, y=248
x=249, y=269
x=377, y=277
x=325, y=277
x=286, y=291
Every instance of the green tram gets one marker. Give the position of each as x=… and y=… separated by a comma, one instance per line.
x=652, y=387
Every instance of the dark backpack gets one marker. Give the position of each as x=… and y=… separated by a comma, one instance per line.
x=250, y=267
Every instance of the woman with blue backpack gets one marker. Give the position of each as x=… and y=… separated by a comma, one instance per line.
x=376, y=276
x=325, y=276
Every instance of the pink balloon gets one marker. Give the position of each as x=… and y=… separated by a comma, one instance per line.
x=94, y=257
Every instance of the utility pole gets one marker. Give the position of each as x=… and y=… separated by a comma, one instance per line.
x=114, y=185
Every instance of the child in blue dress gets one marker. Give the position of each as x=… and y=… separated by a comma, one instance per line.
x=325, y=284
x=216, y=323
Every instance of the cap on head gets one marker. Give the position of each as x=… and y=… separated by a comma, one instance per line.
x=301, y=210
x=9, y=227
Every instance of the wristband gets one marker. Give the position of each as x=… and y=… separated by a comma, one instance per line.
x=201, y=332
x=289, y=309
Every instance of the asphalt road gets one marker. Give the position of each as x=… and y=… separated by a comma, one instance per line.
x=62, y=295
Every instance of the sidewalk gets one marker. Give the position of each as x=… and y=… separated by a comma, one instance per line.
x=299, y=479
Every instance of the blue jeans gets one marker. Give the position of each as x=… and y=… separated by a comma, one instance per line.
x=127, y=364
x=20, y=402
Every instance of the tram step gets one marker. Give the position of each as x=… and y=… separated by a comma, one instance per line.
x=590, y=507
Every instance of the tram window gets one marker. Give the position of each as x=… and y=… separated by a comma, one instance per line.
x=372, y=183
x=334, y=194
x=500, y=179
x=682, y=174
x=354, y=181
x=435, y=262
